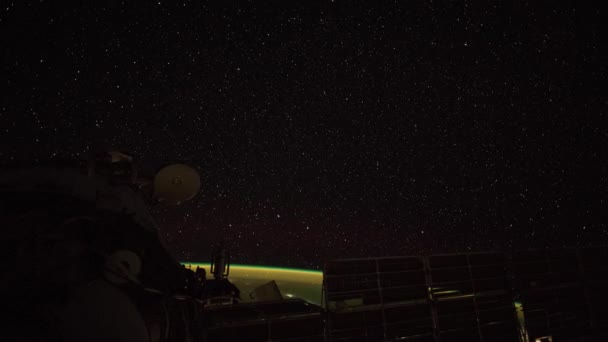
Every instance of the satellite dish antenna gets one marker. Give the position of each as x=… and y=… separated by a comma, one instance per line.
x=176, y=183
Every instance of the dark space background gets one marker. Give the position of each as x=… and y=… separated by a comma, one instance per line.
x=328, y=129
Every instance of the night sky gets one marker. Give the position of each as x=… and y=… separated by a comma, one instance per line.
x=328, y=129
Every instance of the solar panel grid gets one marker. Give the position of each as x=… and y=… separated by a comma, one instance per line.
x=399, y=282
x=440, y=292
x=478, y=304
x=472, y=296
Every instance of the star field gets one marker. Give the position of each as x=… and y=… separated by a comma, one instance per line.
x=331, y=129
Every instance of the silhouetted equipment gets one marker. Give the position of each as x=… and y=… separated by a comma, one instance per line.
x=266, y=292
x=117, y=156
x=122, y=266
x=176, y=183
x=118, y=167
x=220, y=264
x=563, y=292
x=285, y=320
x=195, y=282
x=82, y=261
x=172, y=318
x=117, y=316
x=219, y=290
x=201, y=274
x=80, y=251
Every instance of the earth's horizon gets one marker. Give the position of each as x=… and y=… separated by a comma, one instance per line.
x=292, y=282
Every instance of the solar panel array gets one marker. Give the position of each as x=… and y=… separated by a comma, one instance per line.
x=472, y=297
x=375, y=299
x=468, y=297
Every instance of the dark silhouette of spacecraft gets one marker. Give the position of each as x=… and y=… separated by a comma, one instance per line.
x=83, y=261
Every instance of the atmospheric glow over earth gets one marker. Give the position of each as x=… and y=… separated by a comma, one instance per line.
x=293, y=283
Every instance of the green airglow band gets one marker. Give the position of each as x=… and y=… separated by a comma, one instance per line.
x=256, y=267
